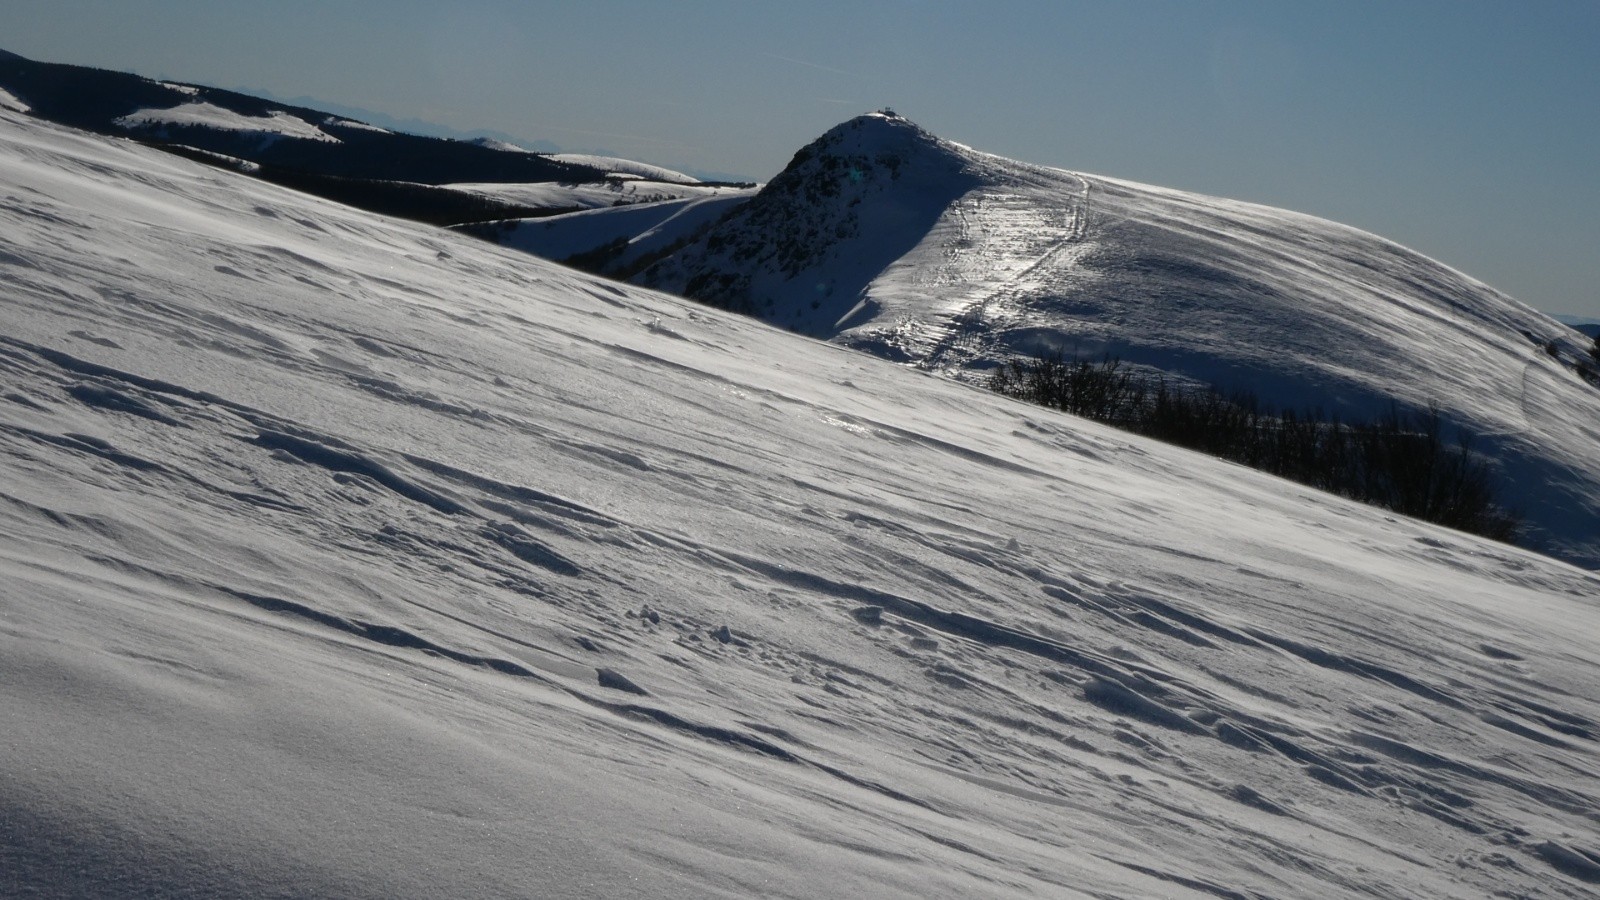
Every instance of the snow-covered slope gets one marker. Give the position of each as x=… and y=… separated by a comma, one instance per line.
x=625, y=234
x=11, y=103
x=883, y=237
x=613, y=166
x=275, y=124
x=342, y=557
x=597, y=194
x=617, y=166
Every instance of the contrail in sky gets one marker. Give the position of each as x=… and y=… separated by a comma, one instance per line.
x=801, y=62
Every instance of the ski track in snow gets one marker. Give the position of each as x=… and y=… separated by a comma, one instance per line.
x=1001, y=305
x=341, y=556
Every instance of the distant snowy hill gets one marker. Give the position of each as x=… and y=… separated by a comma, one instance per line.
x=621, y=236
x=428, y=179
x=341, y=556
x=334, y=156
x=882, y=237
x=612, y=165
x=263, y=131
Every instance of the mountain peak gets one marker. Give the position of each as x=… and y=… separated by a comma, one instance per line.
x=883, y=131
x=885, y=118
x=848, y=204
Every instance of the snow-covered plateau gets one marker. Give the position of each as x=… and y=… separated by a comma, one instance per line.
x=344, y=557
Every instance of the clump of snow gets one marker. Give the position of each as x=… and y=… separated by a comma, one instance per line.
x=9, y=101
x=209, y=115
x=187, y=89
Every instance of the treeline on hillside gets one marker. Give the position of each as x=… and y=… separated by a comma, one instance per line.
x=1400, y=461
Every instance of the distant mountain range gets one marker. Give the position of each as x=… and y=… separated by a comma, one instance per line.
x=393, y=123
x=449, y=179
x=334, y=156
x=262, y=131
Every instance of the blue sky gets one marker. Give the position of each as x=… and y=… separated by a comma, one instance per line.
x=1467, y=130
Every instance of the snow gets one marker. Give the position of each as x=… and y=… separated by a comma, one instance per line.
x=209, y=115
x=10, y=102
x=647, y=227
x=352, y=123
x=618, y=166
x=497, y=144
x=885, y=238
x=594, y=195
x=330, y=547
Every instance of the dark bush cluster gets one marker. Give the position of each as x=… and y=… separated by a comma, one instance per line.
x=1400, y=461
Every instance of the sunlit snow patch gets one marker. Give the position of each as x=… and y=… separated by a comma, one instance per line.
x=9, y=101
x=617, y=166
x=208, y=115
x=352, y=123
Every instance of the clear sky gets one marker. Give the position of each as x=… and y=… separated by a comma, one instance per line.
x=1467, y=130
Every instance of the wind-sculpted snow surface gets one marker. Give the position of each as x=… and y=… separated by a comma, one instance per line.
x=882, y=237
x=340, y=557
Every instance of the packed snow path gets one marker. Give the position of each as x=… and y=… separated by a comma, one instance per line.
x=343, y=557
